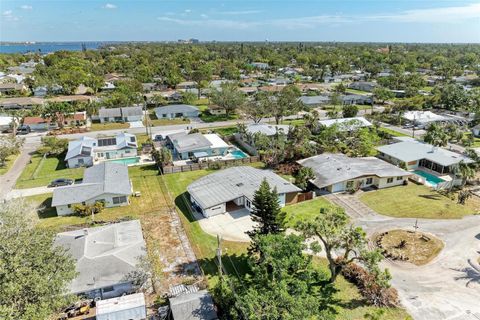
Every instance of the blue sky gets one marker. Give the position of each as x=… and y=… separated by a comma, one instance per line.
x=242, y=20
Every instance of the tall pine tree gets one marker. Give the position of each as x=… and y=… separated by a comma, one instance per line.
x=266, y=210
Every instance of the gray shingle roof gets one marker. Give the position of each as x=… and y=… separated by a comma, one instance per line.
x=132, y=111
x=314, y=100
x=412, y=150
x=104, y=255
x=267, y=129
x=184, y=142
x=334, y=168
x=175, y=108
x=198, y=305
x=109, y=112
x=103, y=178
x=228, y=184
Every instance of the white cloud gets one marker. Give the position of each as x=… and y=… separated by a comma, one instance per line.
x=8, y=16
x=188, y=10
x=109, y=6
x=203, y=15
x=26, y=7
x=238, y=13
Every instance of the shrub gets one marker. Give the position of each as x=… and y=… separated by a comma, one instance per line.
x=375, y=293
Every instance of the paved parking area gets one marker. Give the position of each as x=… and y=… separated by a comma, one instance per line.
x=230, y=226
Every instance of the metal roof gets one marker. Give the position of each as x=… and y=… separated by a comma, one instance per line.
x=334, y=168
x=104, y=178
x=104, y=255
x=184, y=142
x=198, y=305
x=413, y=150
x=120, y=307
x=267, y=129
x=228, y=184
x=313, y=100
x=132, y=111
x=347, y=124
x=176, y=108
x=109, y=112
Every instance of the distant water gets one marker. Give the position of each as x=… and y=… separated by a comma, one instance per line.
x=47, y=47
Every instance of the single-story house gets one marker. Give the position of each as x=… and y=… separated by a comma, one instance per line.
x=105, y=257
x=338, y=172
x=267, y=129
x=21, y=102
x=177, y=111
x=186, y=85
x=12, y=88
x=107, y=182
x=43, y=124
x=193, y=306
x=6, y=123
x=234, y=188
x=356, y=99
x=125, y=114
x=196, y=145
x=108, y=86
x=40, y=91
x=72, y=98
x=363, y=86
x=414, y=154
x=260, y=65
x=127, y=307
x=216, y=110
x=347, y=124
x=315, y=101
x=88, y=151
x=248, y=90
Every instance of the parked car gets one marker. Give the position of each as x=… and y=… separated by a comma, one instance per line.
x=23, y=130
x=60, y=182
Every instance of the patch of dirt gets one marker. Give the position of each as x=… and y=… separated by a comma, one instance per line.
x=405, y=245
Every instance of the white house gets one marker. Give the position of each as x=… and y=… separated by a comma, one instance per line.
x=107, y=182
x=338, y=172
x=234, y=188
x=88, y=151
x=177, y=111
x=347, y=124
x=124, y=114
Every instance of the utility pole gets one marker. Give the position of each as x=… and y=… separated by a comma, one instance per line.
x=145, y=114
x=219, y=256
x=413, y=127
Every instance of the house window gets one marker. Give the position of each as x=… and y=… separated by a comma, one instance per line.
x=132, y=139
x=399, y=178
x=127, y=151
x=248, y=203
x=117, y=200
x=350, y=184
x=389, y=180
x=369, y=180
x=108, y=289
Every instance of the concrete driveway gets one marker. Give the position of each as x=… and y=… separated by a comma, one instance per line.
x=18, y=193
x=230, y=226
x=449, y=286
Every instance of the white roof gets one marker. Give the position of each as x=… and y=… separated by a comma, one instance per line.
x=216, y=141
x=347, y=124
x=413, y=150
x=423, y=116
x=114, y=305
x=5, y=121
x=267, y=129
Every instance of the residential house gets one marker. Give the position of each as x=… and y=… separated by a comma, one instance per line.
x=267, y=129
x=40, y=91
x=419, y=156
x=6, y=122
x=177, y=111
x=88, y=151
x=196, y=145
x=126, y=307
x=43, y=124
x=338, y=172
x=357, y=99
x=20, y=103
x=107, y=182
x=315, y=101
x=11, y=88
x=363, y=86
x=216, y=110
x=186, y=85
x=248, y=90
x=105, y=256
x=124, y=114
x=260, y=65
x=193, y=306
x=347, y=124
x=72, y=98
x=234, y=188
x=108, y=86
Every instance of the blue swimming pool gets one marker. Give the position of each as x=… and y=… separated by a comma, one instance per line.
x=126, y=161
x=238, y=154
x=431, y=179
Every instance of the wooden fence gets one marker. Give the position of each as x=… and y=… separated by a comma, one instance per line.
x=209, y=165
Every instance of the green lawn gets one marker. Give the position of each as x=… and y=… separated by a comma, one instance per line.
x=350, y=303
x=108, y=126
x=223, y=131
x=39, y=172
x=8, y=164
x=292, y=122
x=393, y=132
x=417, y=201
x=306, y=210
x=206, y=117
x=476, y=141
x=201, y=101
x=153, y=121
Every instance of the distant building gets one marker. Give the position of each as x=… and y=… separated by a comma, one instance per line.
x=105, y=257
x=347, y=124
x=10, y=88
x=363, y=86
x=260, y=65
x=177, y=111
x=315, y=101
x=124, y=114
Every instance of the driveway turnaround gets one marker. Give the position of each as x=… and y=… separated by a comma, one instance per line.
x=230, y=226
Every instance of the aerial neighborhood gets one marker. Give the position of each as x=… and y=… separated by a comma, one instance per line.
x=190, y=180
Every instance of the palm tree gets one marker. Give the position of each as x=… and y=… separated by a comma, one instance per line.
x=464, y=171
x=436, y=136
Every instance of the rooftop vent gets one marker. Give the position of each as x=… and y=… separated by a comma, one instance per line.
x=239, y=184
